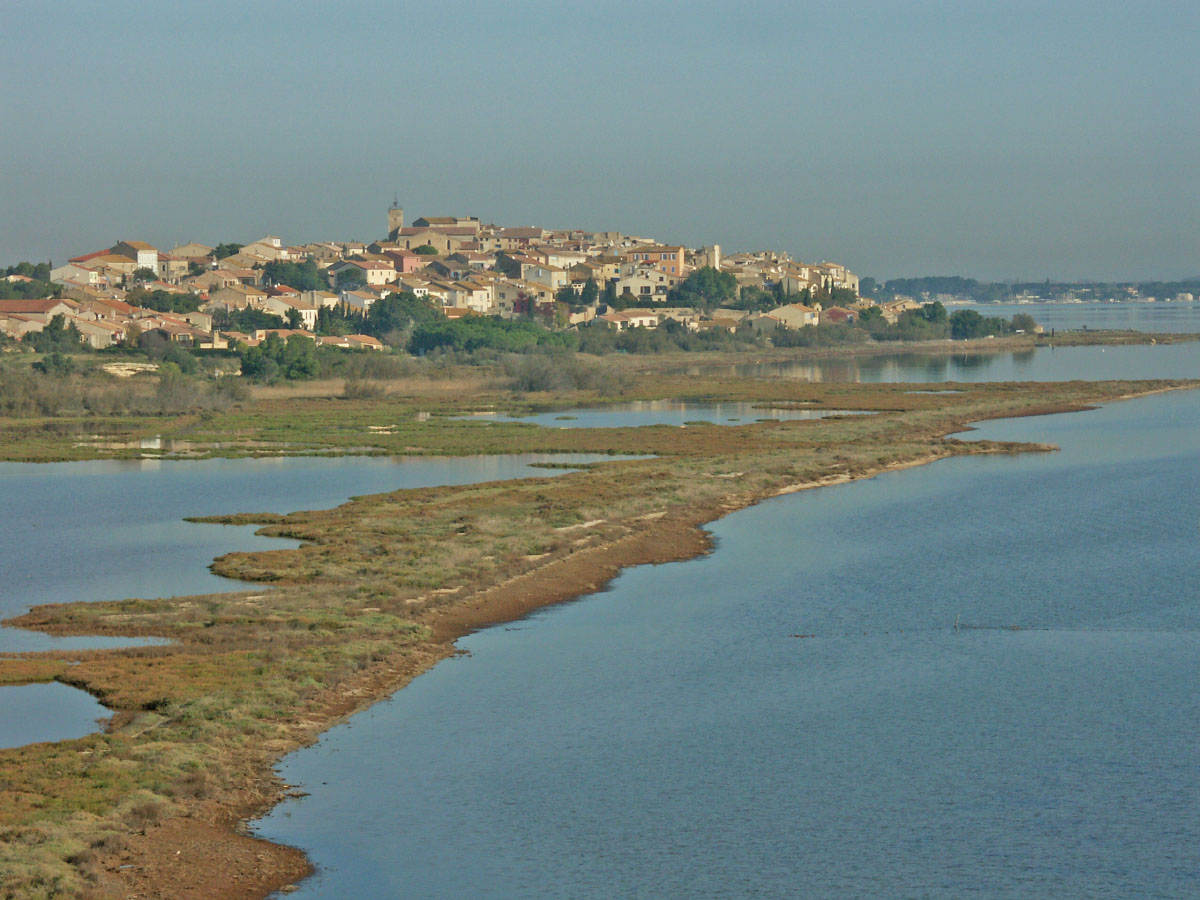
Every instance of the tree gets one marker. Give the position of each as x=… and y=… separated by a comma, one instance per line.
x=294, y=359
x=143, y=274
x=36, y=271
x=59, y=336
x=967, y=323
x=566, y=295
x=755, y=299
x=224, y=250
x=303, y=276
x=27, y=290
x=294, y=318
x=250, y=319
x=871, y=318
x=164, y=301
x=350, y=278
x=335, y=321
x=706, y=287
x=54, y=364
x=836, y=296
x=1024, y=322
x=933, y=312
x=396, y=314
x=299, y=359
x=426, y=250
x=590, y=292
x=610, y=293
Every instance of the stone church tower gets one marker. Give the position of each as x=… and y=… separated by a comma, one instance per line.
x=395, y=219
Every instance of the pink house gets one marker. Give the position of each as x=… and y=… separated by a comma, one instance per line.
x=406, y=261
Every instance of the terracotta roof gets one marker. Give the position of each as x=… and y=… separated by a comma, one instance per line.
x=87, y=256
x=119, y=305
x=28, y=307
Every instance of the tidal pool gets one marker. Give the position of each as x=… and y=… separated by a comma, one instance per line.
x=32, y=713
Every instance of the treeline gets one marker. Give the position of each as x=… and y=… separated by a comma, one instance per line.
x=36, y=289
x=163, y=301
x=1000, y=292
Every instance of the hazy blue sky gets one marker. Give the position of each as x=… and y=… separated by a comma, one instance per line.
x=995, y=139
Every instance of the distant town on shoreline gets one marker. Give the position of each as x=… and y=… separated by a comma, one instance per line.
x=423, y=286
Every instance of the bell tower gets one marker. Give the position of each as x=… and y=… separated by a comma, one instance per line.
x=395, y=218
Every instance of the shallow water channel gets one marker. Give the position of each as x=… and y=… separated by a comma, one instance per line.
x=88, y=531
x=797, y=713
x=1129, y=361
x=662, y=412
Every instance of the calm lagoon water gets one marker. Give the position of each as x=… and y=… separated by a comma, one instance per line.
x=795, y=715
x=86, y=531
x=24, y=719
x=1157, y=317
x=1135, y=361
x=660, y=412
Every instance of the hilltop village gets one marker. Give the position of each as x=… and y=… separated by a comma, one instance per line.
x=198, y=296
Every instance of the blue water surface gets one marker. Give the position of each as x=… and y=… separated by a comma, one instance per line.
x=107, y=530
x=1050, y=363
x=796, y=714
x=636, y=413
x=30, y=713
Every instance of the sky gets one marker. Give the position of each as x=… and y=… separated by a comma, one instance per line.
x=999, y=140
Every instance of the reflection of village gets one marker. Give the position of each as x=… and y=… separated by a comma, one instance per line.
x=561, y=279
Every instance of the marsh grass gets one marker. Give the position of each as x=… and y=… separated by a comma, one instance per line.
x=248, y=673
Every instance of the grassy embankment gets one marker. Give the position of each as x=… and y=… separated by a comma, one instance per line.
x=378, y=591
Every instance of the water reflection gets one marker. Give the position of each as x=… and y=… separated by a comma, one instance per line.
x=662, y=412
x=86, y=531
x=46, y=712
x=676, y=736
x=1133, y=361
